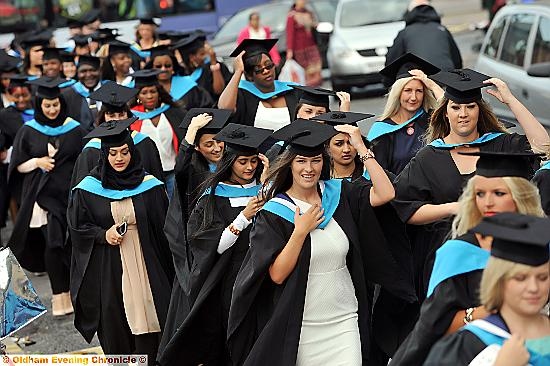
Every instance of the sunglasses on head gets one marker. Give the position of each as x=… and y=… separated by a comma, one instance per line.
x=260, y=70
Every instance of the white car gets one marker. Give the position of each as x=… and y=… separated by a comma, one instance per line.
x=516, y=49
x=363, y=32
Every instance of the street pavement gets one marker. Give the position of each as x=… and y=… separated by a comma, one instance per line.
x=49, y=335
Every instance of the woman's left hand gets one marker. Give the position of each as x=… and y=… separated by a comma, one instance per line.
x=355, y=137
x=345, y=101
x=502, y=92
x=265, y=171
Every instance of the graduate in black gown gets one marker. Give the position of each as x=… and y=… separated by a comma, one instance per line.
x=260, y=100
x=200, y=63
x=122, y=270
x=114, y=107
x=430, y=185
x=218, y=238
x=184, y=91
x=197, y=159
x=399, y=133
x=500, y=185
x=44, y=153
x=514, y=290
x=271, y=311
x=542, y=180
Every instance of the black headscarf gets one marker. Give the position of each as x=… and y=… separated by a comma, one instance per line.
x=130, y=178
x=41, y=118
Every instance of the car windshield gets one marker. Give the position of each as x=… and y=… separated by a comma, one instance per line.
x=325, y=9
x=365, y=12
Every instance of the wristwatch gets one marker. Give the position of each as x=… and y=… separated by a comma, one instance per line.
x=368, y=155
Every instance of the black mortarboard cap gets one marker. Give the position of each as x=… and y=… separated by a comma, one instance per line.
x=146, y=77
x=190, y=43
x=114, y=95
x=306, y=138
x=504, y=164
x=462, y=86
x=67, y=57
x=173, y=36
x=219, y=119
x=517, y=238
x=8, y=63
x=18, y=80
x=93, y=61
x=314, y=95
x=52, y=53
x=152, y=21
x=243, y=139
x=161, y=50
x=90, y=16
x=342, y=118
x=400, y=68
x=35, y=38
x=73, y=23
x=112, y=132
x=48, y=88
x=81, y=39
x=116, y=47
x=254, y=47
x=105, y=35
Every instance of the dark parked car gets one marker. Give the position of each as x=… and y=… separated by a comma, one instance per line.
x=274, y=15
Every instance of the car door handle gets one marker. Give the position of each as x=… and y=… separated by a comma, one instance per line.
x=525, y=93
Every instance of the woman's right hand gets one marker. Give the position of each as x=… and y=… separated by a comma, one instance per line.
x=513, y=352
x=289, y=54
x=200, y=121
x=306, y=223
x=113, y=237
x=253, y=206
x=238, y=63
x=45, y=163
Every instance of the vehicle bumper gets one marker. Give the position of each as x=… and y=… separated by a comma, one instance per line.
x=356, y=69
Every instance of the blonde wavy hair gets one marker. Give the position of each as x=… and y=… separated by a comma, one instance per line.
x=394, y=98
x=494, y=277
x=524, y=193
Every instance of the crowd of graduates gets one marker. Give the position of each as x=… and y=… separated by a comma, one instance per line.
x=208, y=217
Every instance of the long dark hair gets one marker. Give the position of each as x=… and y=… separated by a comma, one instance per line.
x=280, y=179
x=104, y=109
x=224, y=169
x=164, y=96
x=107, y=71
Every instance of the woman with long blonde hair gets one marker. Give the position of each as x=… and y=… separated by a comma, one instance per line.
x=514, y=291
x=500, y=185
x=397, y=135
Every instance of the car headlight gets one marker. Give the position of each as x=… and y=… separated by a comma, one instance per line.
x=339, y=48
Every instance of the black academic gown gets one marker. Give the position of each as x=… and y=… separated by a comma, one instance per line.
x=265, y=318
x=437, y=313
x=247, y=106
x=458, y=349
x=201, y=337
x=197, y=97
x=89, y=158
x=78, y=108
x=206, y=79
x=432, y=177
x=50, y=190
x=542, y=180
x=96, y=270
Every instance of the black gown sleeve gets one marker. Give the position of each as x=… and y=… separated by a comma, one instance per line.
x=542, y=180
x=150, y=158
x=383, y=150
x=412, y=187
x=436, y=315
x=458, y=349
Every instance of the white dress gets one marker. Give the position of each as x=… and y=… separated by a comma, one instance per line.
x=330, y=332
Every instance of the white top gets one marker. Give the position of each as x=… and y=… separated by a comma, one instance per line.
x=271, y=118
x=162, y=135
x=259, y=34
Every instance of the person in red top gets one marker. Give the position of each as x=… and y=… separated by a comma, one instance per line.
x=256, y=31
x=300, y=42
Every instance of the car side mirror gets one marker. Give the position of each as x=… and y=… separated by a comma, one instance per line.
x=539, y=70
x=325, y=27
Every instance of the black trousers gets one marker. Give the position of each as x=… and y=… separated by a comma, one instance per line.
x=57, y=261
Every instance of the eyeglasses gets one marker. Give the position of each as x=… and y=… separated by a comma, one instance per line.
x=260, y=70
x=166, y=66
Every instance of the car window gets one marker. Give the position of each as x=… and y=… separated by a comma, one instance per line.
x=541, y=48
x=360, y=12
x=325, y=10
x=515, y=40
x=491, y=49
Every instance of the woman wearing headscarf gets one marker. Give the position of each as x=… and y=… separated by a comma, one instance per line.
x=122, y=269
x=44, y=153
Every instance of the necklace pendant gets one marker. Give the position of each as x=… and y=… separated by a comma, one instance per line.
x=410, y=130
